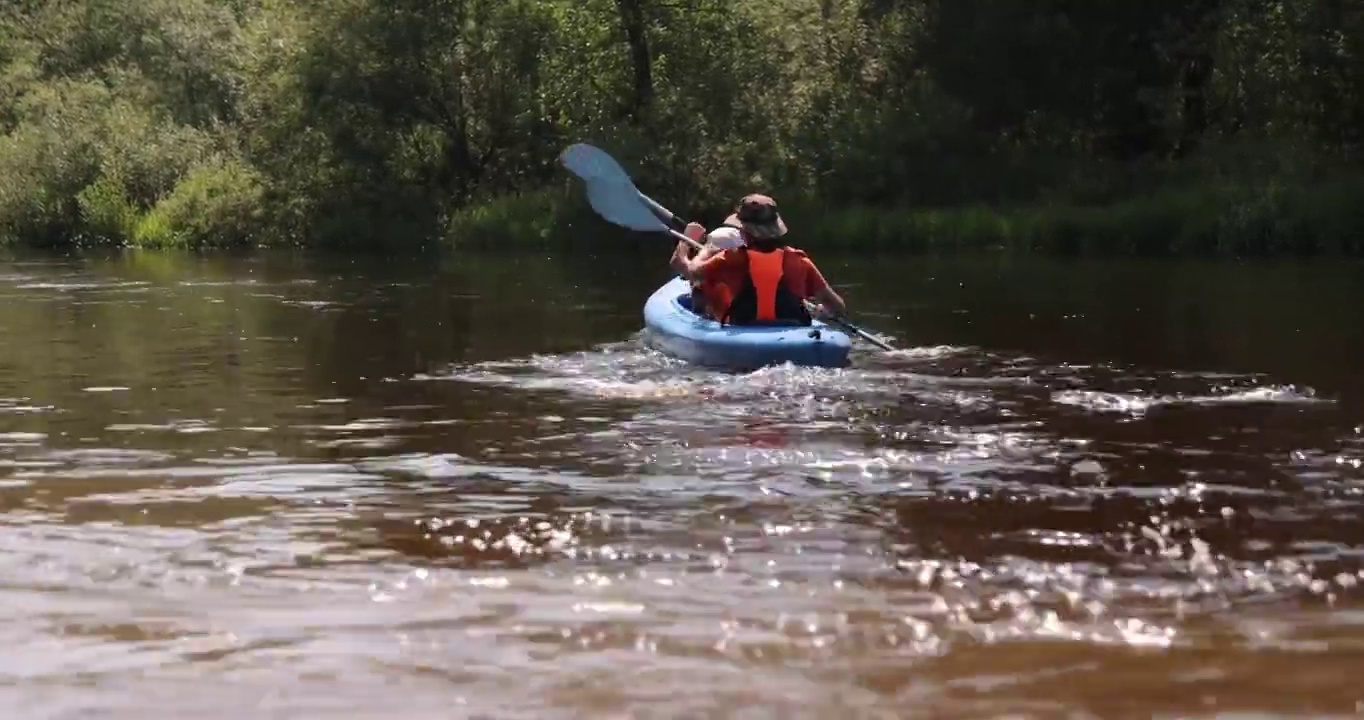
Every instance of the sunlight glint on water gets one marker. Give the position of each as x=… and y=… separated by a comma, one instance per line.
x=276, y=509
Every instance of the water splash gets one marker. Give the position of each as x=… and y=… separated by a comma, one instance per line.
x=1138, y=404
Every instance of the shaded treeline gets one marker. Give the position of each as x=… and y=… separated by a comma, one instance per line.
x=1199, y=125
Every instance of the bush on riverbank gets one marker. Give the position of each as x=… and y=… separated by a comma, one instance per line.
x=1215, y=126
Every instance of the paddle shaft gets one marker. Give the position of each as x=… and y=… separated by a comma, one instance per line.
x=683, y=238
x=665, y=215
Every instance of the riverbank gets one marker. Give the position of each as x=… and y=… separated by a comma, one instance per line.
x=1226, y=217
x=1231, y=218
x=348, y=126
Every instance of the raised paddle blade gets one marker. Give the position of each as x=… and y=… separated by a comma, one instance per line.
x=610, y=190
x=593, y=164
x=620, y=205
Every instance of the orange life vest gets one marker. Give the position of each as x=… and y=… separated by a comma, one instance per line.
x=765, y=271
x=765, y=297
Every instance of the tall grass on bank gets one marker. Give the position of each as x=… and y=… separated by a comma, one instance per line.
x=1227, y=219
x=1209, y=220
x=539, y=218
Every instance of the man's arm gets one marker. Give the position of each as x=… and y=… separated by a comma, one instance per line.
x=818, y=289
x=830, y=299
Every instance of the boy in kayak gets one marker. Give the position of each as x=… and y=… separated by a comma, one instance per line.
x=764, y=281
x=708, y=294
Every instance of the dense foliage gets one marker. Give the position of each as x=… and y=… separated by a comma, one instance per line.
x=1108, y=124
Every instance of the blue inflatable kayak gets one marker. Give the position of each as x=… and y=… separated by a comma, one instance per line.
x=672, y=328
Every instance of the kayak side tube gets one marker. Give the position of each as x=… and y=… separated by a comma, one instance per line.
x=673, y=329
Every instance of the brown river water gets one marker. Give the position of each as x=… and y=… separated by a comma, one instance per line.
x=312, y=487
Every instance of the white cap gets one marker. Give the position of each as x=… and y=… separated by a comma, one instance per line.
x=725, y=237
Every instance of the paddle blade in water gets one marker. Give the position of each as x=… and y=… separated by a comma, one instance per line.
x=593, y=164
x=619, y=203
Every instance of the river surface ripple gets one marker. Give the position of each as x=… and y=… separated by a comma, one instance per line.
x=215, y=508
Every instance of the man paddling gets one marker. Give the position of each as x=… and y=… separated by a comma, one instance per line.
x=765, y=280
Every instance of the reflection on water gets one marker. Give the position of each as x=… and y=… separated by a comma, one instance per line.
x=307, y=487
